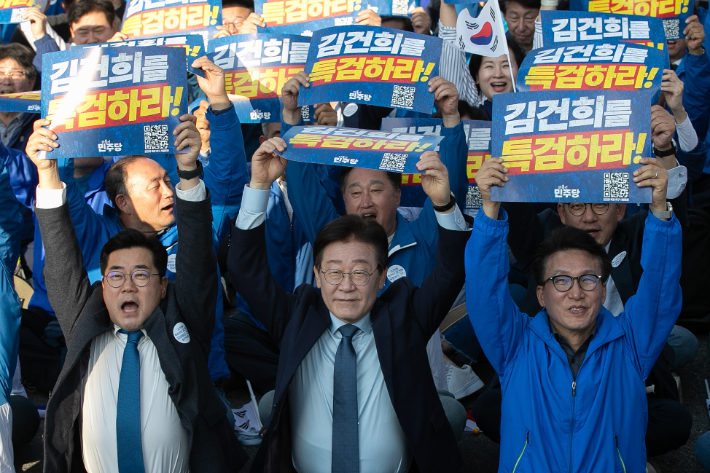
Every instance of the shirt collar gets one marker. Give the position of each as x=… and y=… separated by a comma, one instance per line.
x=116, y=328
x=557, y=336
x=364, y=324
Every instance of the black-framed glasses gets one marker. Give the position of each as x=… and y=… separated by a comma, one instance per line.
x=587, y=282
x=578, y=208
x=140, y=278
x=14, y=75
x=358, y=277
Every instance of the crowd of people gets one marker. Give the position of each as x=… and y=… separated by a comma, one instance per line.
x=314, y=283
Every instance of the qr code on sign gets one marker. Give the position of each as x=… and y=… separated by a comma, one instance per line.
x=155, y=138
x=616, y=185
x=393, y=161
x=403, y=96
x=474, y=200
x=400, y=7
x=672, y=28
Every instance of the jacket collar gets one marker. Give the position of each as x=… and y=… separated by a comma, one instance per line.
x=403, y=236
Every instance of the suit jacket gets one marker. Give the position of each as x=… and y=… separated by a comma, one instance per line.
x=82, y=315
x=403, y=319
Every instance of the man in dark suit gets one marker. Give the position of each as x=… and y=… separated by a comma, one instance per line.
x=354, y=392
x=135, y=393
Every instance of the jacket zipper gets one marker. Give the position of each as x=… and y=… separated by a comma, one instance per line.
x=527, y=440
x=571, y=427
x=616, y=439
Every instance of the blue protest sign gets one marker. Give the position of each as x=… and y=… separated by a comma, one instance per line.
x=561, y=26
x=571, y=146
x=673, y=13
x=256, y=68
x=372, y=65
x=593, y=66
x=395, y=152
x=20, y=102
x=110, y=101
x=158, y=18
x=193, y=43
x=11, y=10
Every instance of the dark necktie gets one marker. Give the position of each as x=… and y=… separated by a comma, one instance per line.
x=128, y=410
x=346, y=446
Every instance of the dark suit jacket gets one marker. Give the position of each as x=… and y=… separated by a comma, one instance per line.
x=404, y=317
x=82, y=314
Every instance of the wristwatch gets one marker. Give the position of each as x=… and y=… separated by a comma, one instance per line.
x=668, y=213
x=187, y=175
x=444, y=208
x=668, y=152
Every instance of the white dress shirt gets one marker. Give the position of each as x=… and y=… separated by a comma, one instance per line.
x=613, y=302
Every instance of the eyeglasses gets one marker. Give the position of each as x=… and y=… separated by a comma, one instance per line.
x=587, y=282
x=578, y=209
x=358, y=277
x=14, y=75
x=139, y=277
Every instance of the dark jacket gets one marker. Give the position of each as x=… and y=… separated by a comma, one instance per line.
x=403, y=319
x=82, y=314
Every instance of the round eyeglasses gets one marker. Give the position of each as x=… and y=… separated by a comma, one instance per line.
x=358, y=277
x=140, y=278
x=578, y=209
x=587, y=282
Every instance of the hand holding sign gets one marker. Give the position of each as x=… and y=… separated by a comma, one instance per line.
x=435, y=179
x=492, y=173
x=38, y=22
x=43, y=139
x=266, y=165
x=446, y=99
x=213, y=83
x=653, y=175
x=325, y=115
x=694, y=35
x=368, y=18
x=672, y=88
x=421, y=22
x=662, y=128
x=187, y=136
x=289, y=96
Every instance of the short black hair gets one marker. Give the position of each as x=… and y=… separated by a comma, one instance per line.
x=518, y=54
x=393, y=177
x=131, y=238
x=352, y=228
x=84, y=7
x=525, y=3
x=568, y=238
x=238, y=3
x=115, y=180
x=22, y=55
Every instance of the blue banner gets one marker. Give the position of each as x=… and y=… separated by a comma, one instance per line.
x=593, y=66
x=20, y=102
x=571, y=146
x=158, y=18
x=193, y=43
x=372, y=65
x=113, y=101
x=561, y=26
x=394, y=152
x=673, y=13
x=256, y=68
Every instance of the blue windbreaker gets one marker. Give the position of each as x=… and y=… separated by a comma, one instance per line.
x=551, y=423
x=10, y=235
x=225, y=177
x=694, y=71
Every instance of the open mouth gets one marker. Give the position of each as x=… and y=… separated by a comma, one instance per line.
x=369, y=216
x=577, y=310
x=499, y=87
x=129, y=307
x=168, y=208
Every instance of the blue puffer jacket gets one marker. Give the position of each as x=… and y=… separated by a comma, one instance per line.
x=413, y=249
x=225, y=177
x=550, y=423
x=10, y=236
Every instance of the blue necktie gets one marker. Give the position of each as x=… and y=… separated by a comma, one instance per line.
x=346, y=446
x=128, y=410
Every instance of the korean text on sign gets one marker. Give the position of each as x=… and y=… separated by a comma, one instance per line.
x=11, y=10
x=146, y=18
x=571, y=27
x=114, y=95
x=295, y=12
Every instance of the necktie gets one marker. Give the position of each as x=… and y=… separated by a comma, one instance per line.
x=346, y=447
x=128, y=411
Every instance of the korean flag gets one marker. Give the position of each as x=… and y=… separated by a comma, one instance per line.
x=484, y=35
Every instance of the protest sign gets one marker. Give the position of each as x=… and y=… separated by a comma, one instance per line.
x=561, y=27
x=193, y=43
x=571, y=146
x=478, y=137
x=372, y=65
x=20, y=102
x=301, y=17
x=395, y=152
x=673, y=13
x=256, y=68
x=108, y=101
x=11, y=10
x=157, y=18
x=593, y=66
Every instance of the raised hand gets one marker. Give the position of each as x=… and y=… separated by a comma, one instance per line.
x=213, y=83
x=202, y=124
x=289, y=95
x=325, y=115
x=654, y=175
x=421, y=22
x=368, y=17
x=446, y=99
x=435, y=179
x=492, y=173
x=44, y=139
x=266, y=165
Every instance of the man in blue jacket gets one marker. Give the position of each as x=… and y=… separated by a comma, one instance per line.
x=143, y=197
x=376, y=195
x=573, y=376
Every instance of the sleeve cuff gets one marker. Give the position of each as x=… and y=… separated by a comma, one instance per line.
x=677, y=180
x=51, y=198
x=196, y=194
x=253, y=209
x=451, y=221
x=687, y=137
